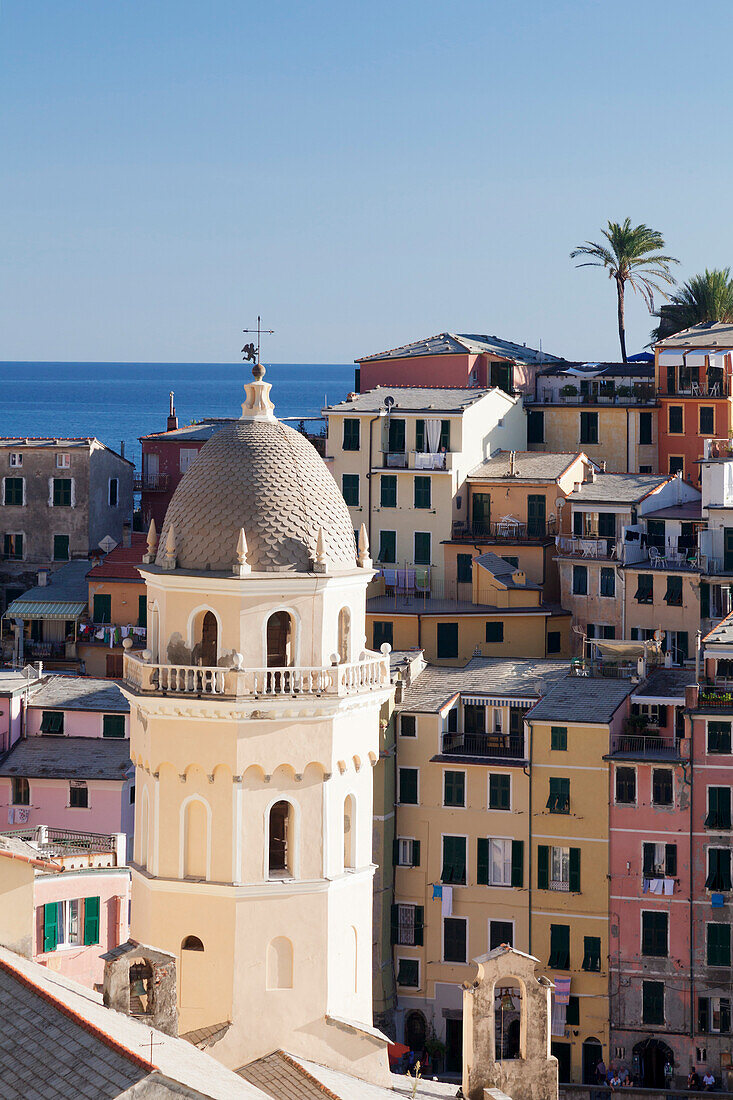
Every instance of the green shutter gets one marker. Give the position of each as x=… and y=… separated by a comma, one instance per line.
x=670, y=859
x=711, y=821
x=416, y=853
x=559, y=946
x=718, y=953
x=395, y=924
x=91, y=920
x=723, y=807
x=50, y=925
x=419, y=435
x=482, y=861
x=113, y=725
x=395, y=852
x=419, y=924
x=591, y=953
x=142, y=611
x=102, y=612
x=518, y=863
x=559, y=738
x=543, y=867
x=575, y=870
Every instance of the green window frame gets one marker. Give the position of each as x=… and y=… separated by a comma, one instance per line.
x=61, y=548
x=464, y=568
x=408, y=973
x=396, y=436
x=13, y=495
x=559, y=947
x=608, y=581
x=382, y=631
x=454, y=788
x=350, y=489
x=644, y=588
x=62, y=492
x=50, y=926
x=652, y=1003
x=102, y=608
x=494, y=632
x=718, y=877
x=408, y=784
x=718, y=944
x=454, y=860
x=13, y=546
x=52, y=721
x=500, y=788
x=558, y=801
x=113, y=725
x=388, y=490
x=387, y=547
x=718, y=816
x=455, y=937
x=719, y=738
x=91, y=920
x=559, y=738
x=589, y=427
x=645, y=429
x=654, y=933
x=592, y=953
x=446, y=640
x=142, y=611
x=422, y=543
x=673, y=595
x=408, y=932
x=580, y=580
x=351, y=438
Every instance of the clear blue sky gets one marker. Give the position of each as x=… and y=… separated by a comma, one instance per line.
x=361, y=173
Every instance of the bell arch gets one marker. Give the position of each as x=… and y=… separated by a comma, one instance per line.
x=280, y=639
x=282, y=856
x=204, y=636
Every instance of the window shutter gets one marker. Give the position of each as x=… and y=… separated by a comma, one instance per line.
x=648, y=864
x=395, y=924
x=724, y=807
x=416, y=853
x=396, y=852
x=575, y=870
x=543, y=867
x=518, y=863
x=711, y=821
x=702, y=1015
x=91, y=920
x=419, y=924
x=50, y=926
x=482, y=861
x=670, y=859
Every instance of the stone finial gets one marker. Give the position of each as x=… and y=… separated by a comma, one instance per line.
x=149, y=558
x=321, y=562
x=365, y=562
x=169, y=558
x=242, y=566
x=258, y=405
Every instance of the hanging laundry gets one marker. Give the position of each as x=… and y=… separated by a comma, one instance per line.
x=562, y=991
x=558, y=1017
x=437, y=891
x=669, y=886
x=446, y=909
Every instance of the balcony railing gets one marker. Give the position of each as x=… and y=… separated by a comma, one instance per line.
x=642, y=395
x=150, y=483
x=346, y=679
x=395, y=460
x=605, y=549
x=655, y=746
x=510, y=530
x=426, y=460
x=602, y=669
x=505, y=745
x=714, y=696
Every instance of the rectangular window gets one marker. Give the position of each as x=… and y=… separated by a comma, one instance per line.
x=707, y=420
x=645, y=429
x=554, y=641
x=447, y=640
x=652, y=1003
x=592, y=953
x=718, y=945
x=408, y=725
x=718, y=877
x=718, y=808
x=63, y=461
x=408, y=786
x=659, y=860
x=608, y=582
x=351, y=434
x=559, y=738
x=62, y=492
x=422, y=548
x=142, y=611
x=350, y=489
x=626, y=786
x=13, y=490
x=186, y=456
x=676, y=466
x=13, y=546
x=15, y=458
x=408, y=973
x=559, y=799
x=52, y=721
x=422, y=497
x=79, y=796
x=713, y=1015
x=535, y=426
x=408, y=922
x=500, y=932
x=580, y=580
x=559, y=947
x=113, y=725
x=675, y=420
x=388, y=490
x=673, y=595
x=662, y=794
x=454, y=939
x=387, y=547
x=499, y=792
x=719, y=737
x=396, y=436
x=406, y=852
x=589, y=427
x=474, y=718
x=499, y=862
x=494, y=633
x=21, y=791
x=454, y=860
x=464, y=574
x=382, y=632
x=572, y=1013
x=102, y=609
x=60, y=547
x=454, y=788
x=114, y=491
x=654, y=933
x=645, y=588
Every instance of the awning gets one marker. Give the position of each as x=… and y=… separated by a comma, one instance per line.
x=626, y=649
x=60, y=609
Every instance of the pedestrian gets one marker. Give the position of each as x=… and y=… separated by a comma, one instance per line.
x=708, y=1081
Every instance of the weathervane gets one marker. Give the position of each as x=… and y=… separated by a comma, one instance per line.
x=249, y=351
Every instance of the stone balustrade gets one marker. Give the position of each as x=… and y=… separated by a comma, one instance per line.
x=347, y=679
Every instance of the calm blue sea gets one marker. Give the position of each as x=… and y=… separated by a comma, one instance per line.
x=121, y=401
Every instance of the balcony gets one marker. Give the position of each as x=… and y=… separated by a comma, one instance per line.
x=196, y=681
x=394, y=460
x=150, y=483
x=499, y=745
x=635, y=746
x=717, y=696
x=505, y=530
x=640, y=395
x=598, y=549
x=604, y=668
x=417, y=460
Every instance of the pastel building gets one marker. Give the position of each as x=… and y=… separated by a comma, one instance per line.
x=117, y=609
x=716, y=535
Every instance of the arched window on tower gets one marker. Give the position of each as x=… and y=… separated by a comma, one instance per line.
x=208, y=640
x=279, y=640
x=192, y=943
x=280, y=860
x=344, y=635
x=349, y=833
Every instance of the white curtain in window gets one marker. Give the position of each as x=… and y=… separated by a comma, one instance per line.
x=432, y=436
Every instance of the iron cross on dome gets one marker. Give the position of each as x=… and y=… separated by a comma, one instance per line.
x=249, y=351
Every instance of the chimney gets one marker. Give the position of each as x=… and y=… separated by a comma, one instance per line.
x=512, y=464
x=122, y=448
x=172, y=418
x=127, y=534
x=42, y=578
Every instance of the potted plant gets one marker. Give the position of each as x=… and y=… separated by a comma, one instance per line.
x=624, y=391
x=435, y=1049
x=569, y=390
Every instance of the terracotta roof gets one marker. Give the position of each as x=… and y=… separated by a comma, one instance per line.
x=121, y=563
x=280, y=1076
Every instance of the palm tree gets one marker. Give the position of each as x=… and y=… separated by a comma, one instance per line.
x=706, y=298
x=631, y=256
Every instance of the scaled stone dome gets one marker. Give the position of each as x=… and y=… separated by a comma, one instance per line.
x=265, y=477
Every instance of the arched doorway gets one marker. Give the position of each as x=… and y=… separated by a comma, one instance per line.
x=280, y=851
x=344, y=634
x=592, y=1055
x=279, y=640
x=416, y=1031
x=194, y=972
x=650, y=1058
x=209, y=640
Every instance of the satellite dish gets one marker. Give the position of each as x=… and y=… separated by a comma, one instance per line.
x=560, y=501
x=29, y=670
x=388, y=402
x=107, y=544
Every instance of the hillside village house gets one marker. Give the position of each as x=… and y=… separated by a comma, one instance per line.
x=716, y=535
x=401, y=458
x=455, y=359
x=59, y=498
x=44, y=621
x=607, y=410
x=116, y=609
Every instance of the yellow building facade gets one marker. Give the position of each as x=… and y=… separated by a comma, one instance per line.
x=610, y=434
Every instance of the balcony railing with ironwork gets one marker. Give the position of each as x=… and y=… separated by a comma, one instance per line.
x=507, y=530
x=394, y=460
x=604, y=549
x=150, y=483
x=191, y=680
x=653, y=746
x=603, y=669
x=503, y=745
x=640, y=395
x=717, y=696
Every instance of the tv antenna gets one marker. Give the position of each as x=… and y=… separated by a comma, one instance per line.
x=249, y=351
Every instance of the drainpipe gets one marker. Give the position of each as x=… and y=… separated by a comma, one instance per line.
x=528, y=734
x=374, y=419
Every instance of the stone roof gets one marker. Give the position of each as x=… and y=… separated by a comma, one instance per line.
x=121, y=563
x=528, y=465
x=14, y=682
x=503, y=571
x=618, y=488
x=722, y=634
x=669, y=683
x=284, y=1076
x=193, y=433
x=68, y=583
x=60, y=757
x=265, y=477
x=449, y=343
x=425, y=399
x=710, y=335
x=430, y=691
x=687, y=511
x=582, y=699
x=435, y=605
x=58, y=692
